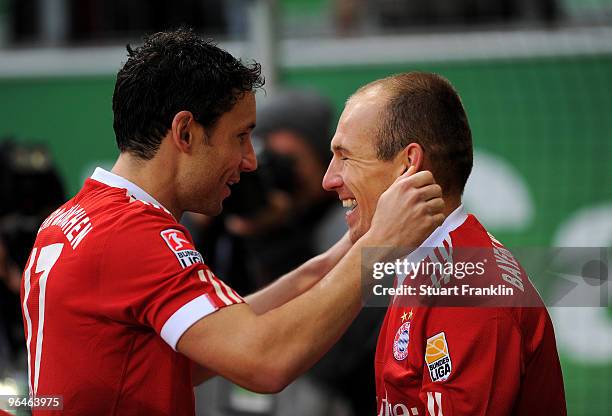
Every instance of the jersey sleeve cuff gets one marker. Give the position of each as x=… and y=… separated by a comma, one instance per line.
x=184, y=318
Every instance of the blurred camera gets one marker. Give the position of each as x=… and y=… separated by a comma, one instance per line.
x=275, y=172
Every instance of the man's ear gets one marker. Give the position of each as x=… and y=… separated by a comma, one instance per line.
x=182, y=131
x=412, y=155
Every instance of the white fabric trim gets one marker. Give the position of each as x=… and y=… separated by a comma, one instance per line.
x=27, y=276
x=438, y=397
x=184, y=318
x=116, y=181
x=430, y=404
x=451, y=223
x=435, y=239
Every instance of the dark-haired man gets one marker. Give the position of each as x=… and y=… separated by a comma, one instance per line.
x=442, y=360
x=117, y=302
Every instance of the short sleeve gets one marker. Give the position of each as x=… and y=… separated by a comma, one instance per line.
x=472, y=362
x=152, y=275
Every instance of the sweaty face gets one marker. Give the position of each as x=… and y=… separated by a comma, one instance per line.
x=355, y=172
x=217, y=162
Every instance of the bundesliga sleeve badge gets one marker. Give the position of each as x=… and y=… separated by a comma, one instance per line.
x=182, y=248
x=437, y=358
x=400, y=343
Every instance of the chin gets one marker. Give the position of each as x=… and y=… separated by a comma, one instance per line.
x=211, y=211
x=215, y=211
x=355, y=235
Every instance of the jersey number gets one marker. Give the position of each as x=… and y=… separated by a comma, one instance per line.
x=46, y=260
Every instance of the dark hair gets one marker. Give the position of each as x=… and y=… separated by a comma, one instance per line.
x=424, y=108
x=171, y=72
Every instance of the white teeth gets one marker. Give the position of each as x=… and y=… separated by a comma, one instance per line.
x=349, y=203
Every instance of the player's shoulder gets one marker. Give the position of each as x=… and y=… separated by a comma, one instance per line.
x=471, y=233
x=120, y=207
x=141, y=220
x=146, y=214
x=471, y=241
x=500, y=267
x=123, y=220
x=148, y=233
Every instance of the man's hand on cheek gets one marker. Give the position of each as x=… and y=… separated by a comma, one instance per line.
x=409, y=211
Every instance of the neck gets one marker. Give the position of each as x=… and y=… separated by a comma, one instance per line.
x=451, y=203
x=152, y=176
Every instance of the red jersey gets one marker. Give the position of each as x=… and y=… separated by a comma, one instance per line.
x=112, y=283
x=468, y=360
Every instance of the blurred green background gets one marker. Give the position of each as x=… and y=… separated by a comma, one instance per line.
x=549, y=118
x=542, y=128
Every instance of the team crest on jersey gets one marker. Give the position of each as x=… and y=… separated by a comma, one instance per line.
x=437, y=358
x=182, y=248
x=400, y=343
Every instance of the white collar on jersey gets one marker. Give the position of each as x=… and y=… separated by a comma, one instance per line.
x=435, y=239
x=451, y=223
x=116, y=181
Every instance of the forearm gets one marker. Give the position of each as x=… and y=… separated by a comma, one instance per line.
x=264, y=352
x=299, y=332
x=298, y=281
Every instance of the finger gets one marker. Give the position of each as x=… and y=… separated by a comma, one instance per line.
x=419, y=179
x=409, y=172
x=430, y=192
x=439, y=219
x=435, y=205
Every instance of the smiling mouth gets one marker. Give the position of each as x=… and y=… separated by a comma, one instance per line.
x=350, y=204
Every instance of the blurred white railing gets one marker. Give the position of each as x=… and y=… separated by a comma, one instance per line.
x=316, y=52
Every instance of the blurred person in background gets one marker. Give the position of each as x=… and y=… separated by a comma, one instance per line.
x=351, y=15
x=129, y=311
x=293, y=128
x=482, y=359
x=30, y=188
x=10, y=320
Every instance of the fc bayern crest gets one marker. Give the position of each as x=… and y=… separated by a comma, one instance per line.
x=400, y=343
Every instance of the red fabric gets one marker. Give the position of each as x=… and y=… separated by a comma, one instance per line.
x=106, y=301
x=485, y=360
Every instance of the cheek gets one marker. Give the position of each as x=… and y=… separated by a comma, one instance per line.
x=224, y=162
x=362, y=184
x=368, y=186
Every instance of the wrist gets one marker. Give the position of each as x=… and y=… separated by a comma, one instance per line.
x=376, y=249
x=372, y=240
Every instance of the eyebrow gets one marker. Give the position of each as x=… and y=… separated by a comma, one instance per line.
x=250, y=127
x=340, y=149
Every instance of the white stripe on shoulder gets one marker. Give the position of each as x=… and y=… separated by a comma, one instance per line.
x=217, y=287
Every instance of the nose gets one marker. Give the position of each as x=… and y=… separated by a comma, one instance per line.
x=249, y=160
x=332, y=178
